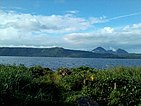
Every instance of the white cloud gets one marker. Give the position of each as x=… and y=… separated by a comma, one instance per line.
x=128, y=36
x=27, y=29
x=50, y=24
x=102, y=19
x=108, y=30
x=72, y=12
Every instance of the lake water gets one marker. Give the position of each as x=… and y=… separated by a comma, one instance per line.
x=57, y=62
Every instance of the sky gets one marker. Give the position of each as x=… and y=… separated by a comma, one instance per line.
x=71, y=24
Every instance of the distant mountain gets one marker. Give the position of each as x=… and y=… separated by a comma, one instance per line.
x=98, y=52
x=111, y=52
x=121, y=52
x=51, y=52
x=104, y=51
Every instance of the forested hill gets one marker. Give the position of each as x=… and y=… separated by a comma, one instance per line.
x=49, y=52
x=58, y=52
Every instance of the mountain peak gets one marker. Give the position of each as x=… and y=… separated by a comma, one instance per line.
x=121, y=51
x=102, y=50
x=57, y=47
x=99, y=50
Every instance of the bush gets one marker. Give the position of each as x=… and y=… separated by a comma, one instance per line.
x=22, y=86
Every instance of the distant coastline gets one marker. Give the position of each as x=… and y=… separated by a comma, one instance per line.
x=98, y=52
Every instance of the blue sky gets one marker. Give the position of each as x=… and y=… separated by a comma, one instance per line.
x=73, y=24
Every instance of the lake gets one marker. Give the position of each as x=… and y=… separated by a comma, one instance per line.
x=57, y=62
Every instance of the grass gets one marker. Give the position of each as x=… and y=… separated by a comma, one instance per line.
x=23, y=86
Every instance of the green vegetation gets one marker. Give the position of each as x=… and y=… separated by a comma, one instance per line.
x=22, y=86
x=61, y=52
x=51, y=52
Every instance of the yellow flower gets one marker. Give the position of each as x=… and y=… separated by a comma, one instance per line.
x=92, y=77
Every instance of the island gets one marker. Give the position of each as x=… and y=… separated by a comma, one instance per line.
x=98, y=52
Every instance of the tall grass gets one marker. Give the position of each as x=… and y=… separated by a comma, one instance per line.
x=22, y=86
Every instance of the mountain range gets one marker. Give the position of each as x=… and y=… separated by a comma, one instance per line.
x=98, y=52
x=103, y=51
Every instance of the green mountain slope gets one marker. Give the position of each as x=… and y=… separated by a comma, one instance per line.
x=59, y=52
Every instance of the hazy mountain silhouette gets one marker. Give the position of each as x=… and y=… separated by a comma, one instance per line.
x=98, y=52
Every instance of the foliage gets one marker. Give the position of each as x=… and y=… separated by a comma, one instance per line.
x=21, y=86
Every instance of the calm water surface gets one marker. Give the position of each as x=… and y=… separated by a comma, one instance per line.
x=57, y=62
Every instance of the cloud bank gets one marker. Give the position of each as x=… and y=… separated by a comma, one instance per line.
x=127, y=37
x=68, y=30
x=27, y=29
